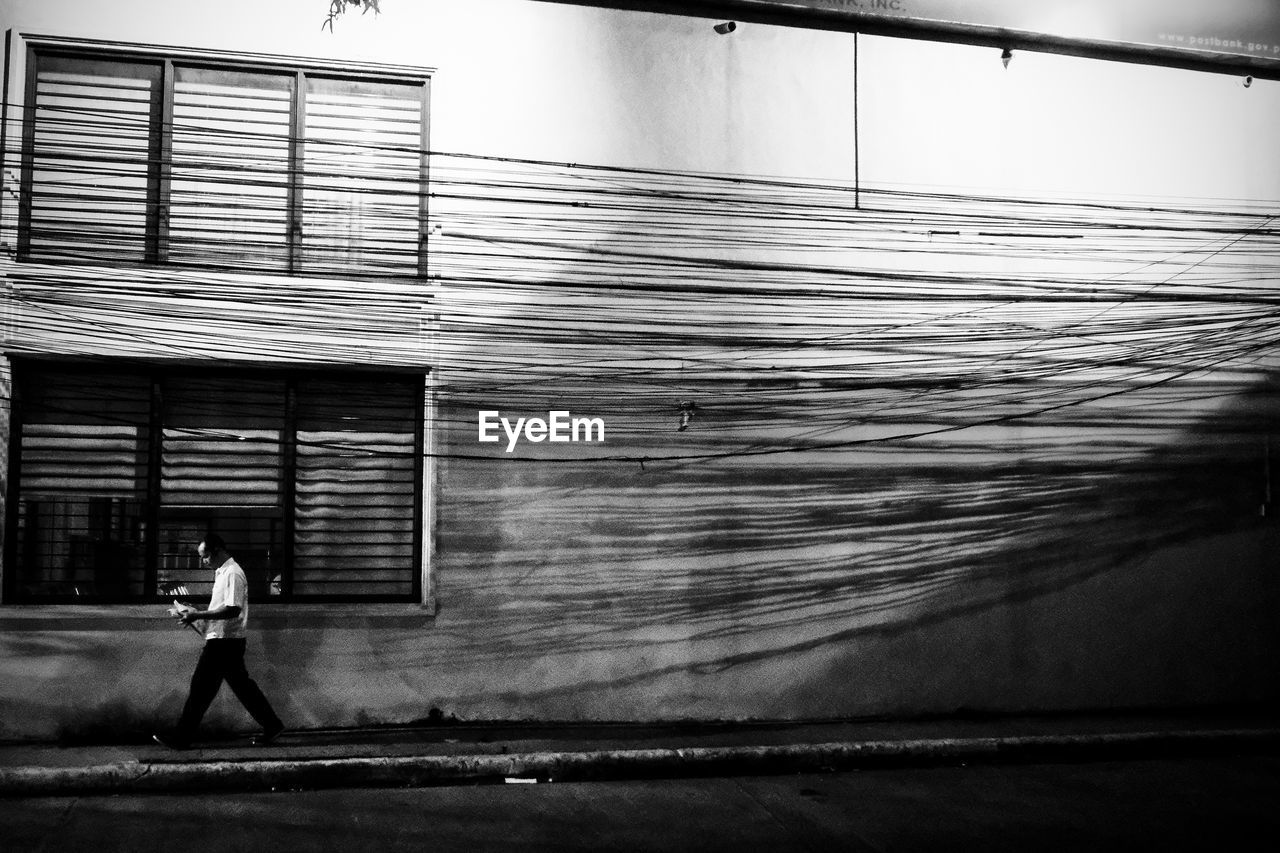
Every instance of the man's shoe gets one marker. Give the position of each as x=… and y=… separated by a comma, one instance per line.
x=267, y=737
x=172, y=742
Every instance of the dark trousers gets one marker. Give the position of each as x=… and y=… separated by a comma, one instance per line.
x=223, y=660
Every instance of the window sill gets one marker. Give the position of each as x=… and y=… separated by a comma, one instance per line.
x=263, y=617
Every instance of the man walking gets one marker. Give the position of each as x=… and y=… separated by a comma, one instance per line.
x=222, y=658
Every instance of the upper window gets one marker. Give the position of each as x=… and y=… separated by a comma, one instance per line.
x=142, y=159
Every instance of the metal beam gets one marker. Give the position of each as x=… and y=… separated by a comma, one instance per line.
x=852, y=17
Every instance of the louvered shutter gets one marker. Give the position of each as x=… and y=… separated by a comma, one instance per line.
x=222, y=438
x=92, y=159
x=82, y=485
x=115, y=173
x=221, y=470
x=356, y=487
x=362, y=177
x=237, y=452
x=229, y=190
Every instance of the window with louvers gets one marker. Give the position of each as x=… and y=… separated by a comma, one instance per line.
x=360, y=184
x=82, y=486
x=145, y=159
x=221, y=460
x=91, y=184
x=356, y=483
x=314, y=481
x=230, y=162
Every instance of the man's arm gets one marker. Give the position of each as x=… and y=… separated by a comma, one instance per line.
x=229, y=611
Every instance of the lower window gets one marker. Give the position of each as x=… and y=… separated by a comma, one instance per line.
x=314, y=481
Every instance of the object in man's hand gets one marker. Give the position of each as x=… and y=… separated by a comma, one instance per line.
x=178, y=610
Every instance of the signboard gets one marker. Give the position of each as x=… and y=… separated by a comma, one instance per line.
x=1234, y=36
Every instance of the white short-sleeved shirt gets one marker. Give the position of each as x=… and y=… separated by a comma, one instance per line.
x=230, y=587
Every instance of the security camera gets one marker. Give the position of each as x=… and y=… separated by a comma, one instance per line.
x=725, y=28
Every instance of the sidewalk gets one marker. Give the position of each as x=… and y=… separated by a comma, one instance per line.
x=483, y=753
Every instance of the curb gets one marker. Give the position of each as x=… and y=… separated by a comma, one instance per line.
x=567, y=766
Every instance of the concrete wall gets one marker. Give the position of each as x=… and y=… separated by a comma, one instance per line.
x=1050, y=564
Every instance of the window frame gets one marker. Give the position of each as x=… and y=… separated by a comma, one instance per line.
x=156, y=245
x=420, y=593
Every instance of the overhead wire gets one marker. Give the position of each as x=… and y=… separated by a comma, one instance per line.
x=623, y=290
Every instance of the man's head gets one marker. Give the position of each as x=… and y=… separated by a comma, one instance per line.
x=211, y=545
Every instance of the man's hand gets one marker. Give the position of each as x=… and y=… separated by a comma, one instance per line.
x=189, y=617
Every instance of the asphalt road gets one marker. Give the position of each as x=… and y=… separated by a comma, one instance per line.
x=1221, y=803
